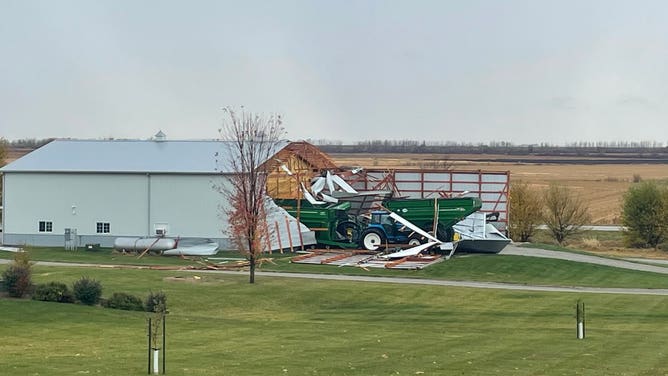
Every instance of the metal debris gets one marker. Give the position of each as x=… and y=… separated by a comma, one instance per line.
x=365, y=260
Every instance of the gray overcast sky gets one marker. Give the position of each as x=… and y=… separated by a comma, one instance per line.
x=467, y=71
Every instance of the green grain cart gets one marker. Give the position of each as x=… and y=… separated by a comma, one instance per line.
x=424, y=211
x=333, y=226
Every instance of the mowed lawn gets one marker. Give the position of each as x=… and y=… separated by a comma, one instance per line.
x=221, y=325
x=481, y=267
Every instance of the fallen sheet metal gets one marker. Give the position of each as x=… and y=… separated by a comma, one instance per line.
x=408, y=263
x=310, y=197
x=332, y=182
x=317, y=186
x=329, y=199
x=10, y=249
x=410, y=251
x=413, y=227
x=284, y=230
x=365, y=260
x=343, y=184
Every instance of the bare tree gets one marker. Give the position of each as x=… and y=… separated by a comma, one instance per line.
x=3, y=151
x=565, y=213
x=252, y=140
x=526, y=207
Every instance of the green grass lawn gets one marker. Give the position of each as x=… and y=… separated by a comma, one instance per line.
x=487, y=268
x=496, y=268
x=221, y=325
x=102, y=256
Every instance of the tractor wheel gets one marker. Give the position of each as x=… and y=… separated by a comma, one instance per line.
x=445, y=234
x=415, y=240
x=442, y=233
x=372, y=240
x=349, y=231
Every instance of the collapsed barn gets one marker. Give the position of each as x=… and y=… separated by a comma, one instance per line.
x=93, y=192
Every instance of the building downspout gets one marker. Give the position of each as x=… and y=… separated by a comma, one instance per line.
x=148, y=204
x=2, y=205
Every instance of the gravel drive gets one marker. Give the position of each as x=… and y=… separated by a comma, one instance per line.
x=535, y=252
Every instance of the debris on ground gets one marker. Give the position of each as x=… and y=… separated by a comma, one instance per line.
x=365, y=259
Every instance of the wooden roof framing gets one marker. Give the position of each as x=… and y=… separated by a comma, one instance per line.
x=305, y=161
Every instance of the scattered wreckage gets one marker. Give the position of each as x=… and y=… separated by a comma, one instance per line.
x=424, y=225
x=381, y=225
x=396, y=221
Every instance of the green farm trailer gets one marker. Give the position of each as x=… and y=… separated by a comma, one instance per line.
x=333, y=226
x=446, y=211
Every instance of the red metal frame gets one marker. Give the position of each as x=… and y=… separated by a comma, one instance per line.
x=391, y=181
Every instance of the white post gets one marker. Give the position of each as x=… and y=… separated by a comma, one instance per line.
x=156, y=356
x=580, y=318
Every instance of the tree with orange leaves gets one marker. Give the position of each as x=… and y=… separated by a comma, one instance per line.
x=252, y=140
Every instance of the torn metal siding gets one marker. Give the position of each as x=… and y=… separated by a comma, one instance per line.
x=285, y=232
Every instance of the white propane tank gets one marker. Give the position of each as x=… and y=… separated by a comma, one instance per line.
x=140, y=244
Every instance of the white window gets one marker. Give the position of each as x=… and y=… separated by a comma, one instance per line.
x=102, y=227
x=45, y=226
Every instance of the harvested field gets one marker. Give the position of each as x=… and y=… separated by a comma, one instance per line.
x=601, y=185
x=16, y=153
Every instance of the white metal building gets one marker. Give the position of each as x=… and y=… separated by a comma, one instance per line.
x=96, y=191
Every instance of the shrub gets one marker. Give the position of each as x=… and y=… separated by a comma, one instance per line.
x=87, y=290
x=156, y=302
x=17, y=278
x=53, y=292
x=121, y=300
x=525, y=210
x=645, y=215
x=591, y=243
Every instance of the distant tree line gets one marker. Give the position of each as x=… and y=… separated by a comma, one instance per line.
x=582, y=148
x=3, y=151
x=28, y=143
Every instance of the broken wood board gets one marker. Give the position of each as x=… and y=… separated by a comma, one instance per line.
x=365, y=259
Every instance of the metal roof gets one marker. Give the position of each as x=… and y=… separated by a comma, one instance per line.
x=128, y=156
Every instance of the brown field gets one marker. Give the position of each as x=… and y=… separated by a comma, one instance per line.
x=601, y=185
x=15, y=153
